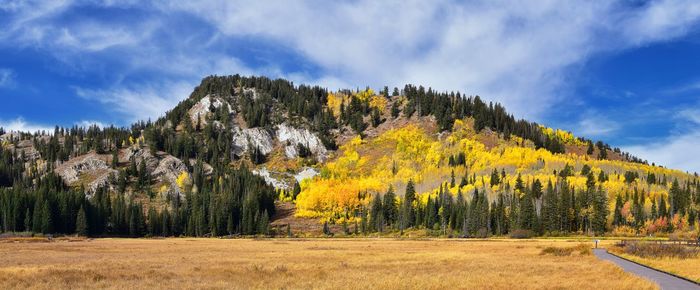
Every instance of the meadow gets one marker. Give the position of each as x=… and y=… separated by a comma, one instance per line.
x=384, y=263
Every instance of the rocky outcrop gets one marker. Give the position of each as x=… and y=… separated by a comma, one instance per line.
x=267, y=175
x=307, y=173
x=202, y=109
x=256, y=137
x=26, y=147
x=89, y=169
x=169, y=168
x=292, y=137
x=140, y=155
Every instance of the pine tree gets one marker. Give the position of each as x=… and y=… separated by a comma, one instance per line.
x=47, y=219
x=617, y=214
x=550, y=210
x=81, y=224
x=395, y=110
x=600, y=211
x=27, y=221
x=390, y=207
x=264, y=225
x=377, y=214
x=495, y=179
x=296, y=190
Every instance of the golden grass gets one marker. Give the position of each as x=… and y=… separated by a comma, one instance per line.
x=687, y=268
x=307, y=264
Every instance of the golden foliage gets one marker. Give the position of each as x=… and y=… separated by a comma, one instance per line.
x=183, y=181
x=400, y=154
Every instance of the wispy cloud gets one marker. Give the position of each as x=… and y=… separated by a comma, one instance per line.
x=680, y=150
x=593, y=124
x=147, y=101
x=7, y=78
x=19, y=124
x=90, y=123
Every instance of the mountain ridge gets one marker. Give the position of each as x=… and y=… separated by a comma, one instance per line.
x=332, y=154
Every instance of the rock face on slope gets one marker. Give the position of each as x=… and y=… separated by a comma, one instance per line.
x=257, y=137
x=202, y=109
x=292, y=137
x=90, y=168
x=140, y=155
x=167, y=171
x=307, y=173
x=269, y=179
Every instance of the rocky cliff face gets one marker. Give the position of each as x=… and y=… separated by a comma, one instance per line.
x=203, y=109
x=243, y=139
x=291, y=137
x=167, y=171
x=90, y=170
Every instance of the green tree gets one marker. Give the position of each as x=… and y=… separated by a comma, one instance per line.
x=600, y=211
x=377, y=214
x=81, y=223
x=389, y=206
x=47, y=219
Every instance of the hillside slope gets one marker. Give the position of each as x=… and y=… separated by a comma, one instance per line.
x=412, y=158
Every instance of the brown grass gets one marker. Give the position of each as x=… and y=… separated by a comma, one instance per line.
x=309, y=263
x=581, y=249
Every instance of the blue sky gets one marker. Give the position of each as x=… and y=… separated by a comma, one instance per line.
x=625, y=72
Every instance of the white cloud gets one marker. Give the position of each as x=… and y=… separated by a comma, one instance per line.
x=19, y=124
x=139, y=102
x=692, y=115
x=7, y=78
x=678, y=152
x=90, y=123
x=511, y=51
x=593, y=124
x=514, y=52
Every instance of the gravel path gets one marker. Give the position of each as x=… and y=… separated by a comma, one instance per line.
x=665, y=281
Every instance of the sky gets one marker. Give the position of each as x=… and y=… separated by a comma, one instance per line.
x=626, y=72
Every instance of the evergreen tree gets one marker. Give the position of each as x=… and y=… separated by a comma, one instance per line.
x=389, y=206
x=81, y=224
x=47, y=219
x=600, y=211
x=377, y=214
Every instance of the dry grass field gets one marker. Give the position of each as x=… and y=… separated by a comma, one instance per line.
x=307, y=264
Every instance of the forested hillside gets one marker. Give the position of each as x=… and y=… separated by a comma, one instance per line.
x=223, y=160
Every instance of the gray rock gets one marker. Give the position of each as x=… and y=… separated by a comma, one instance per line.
x=201, y=109
x=307, y=173
x=244, y=138
x=292, y=136
x=89, y=167
x=267, y=175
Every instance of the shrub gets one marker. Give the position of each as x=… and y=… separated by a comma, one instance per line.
x=522, y=234
x=556, y=251
x=582, y=249
x=651, y=250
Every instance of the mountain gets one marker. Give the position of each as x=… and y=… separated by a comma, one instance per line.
x=242, y=154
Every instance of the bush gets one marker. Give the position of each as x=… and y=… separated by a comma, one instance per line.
x=556, y=251
x=582, y=249
x=522, y=234
x=482, y=233
x=651, y=250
